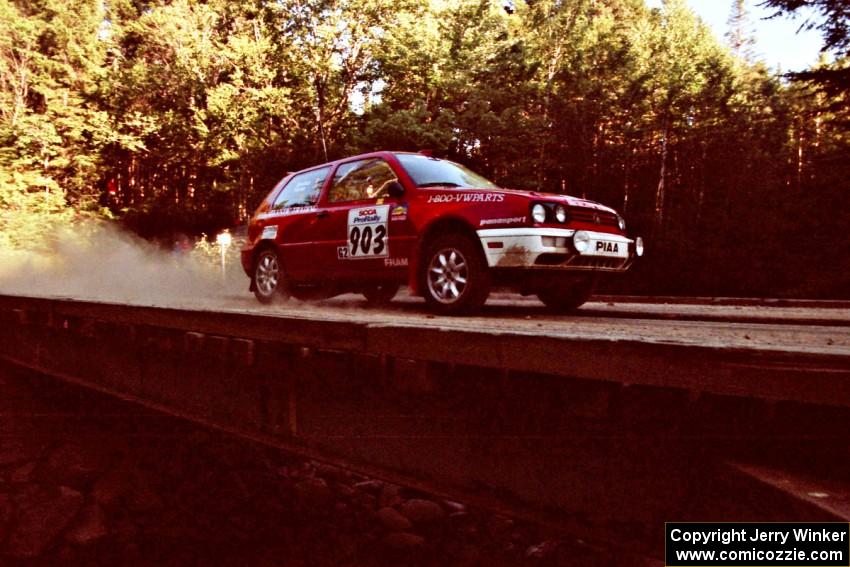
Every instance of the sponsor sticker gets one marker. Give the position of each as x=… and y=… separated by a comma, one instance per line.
x=607, y=248
x=289, y=212
x=396, y=262
x=467, y=198
x=269, y=232
x=367, y=232
x=574, y=202
x=399, y=212
x=511, y=220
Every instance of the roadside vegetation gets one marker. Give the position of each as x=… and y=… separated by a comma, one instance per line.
x=177, y=117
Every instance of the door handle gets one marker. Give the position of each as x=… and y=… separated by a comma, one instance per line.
x=322, y=214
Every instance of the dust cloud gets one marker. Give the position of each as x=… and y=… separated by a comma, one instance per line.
x=99, y=261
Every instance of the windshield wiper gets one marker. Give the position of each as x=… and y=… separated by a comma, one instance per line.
x=439, y=184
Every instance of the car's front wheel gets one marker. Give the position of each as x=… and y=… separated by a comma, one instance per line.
x=567, y=296
x=269, y=281
x=454, y=277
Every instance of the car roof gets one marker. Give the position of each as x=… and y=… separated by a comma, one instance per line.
x=379, y=153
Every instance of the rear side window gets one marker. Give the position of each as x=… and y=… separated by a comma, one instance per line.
x=302, y=190
x=362, y=179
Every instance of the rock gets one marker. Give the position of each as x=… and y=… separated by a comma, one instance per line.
x=42, y=516
x=143, y=499
x=390, y=496
x=89, y=527
x=372, y=486
x=313, y=492
x=500, y=527
x=344, y=491
x=6, y=511
x=367, y=502
x=403, y=540
x=462, y=521
x=454, y=507
x=300, y=471
x=111, y=487
x=14, y=452
x=469, y=555
x=421, y=511
x=23, y=474
x=73, y=465
x=541, y=550
x=393, y=520
x=126, y=531
x=329, y=471
x=346, y=545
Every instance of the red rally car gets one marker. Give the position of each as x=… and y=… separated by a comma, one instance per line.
x=374, y=222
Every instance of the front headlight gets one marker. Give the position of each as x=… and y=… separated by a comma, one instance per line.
x=560, y=214
x=581, y=240
x=538, y=213
x=639, y=246
x=621, y=222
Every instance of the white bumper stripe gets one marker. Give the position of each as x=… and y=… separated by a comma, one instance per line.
x=520, y=247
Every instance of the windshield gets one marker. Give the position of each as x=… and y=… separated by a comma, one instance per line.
x=431, y=172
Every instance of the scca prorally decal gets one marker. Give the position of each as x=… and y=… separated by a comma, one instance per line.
x=365, y=216
x=467, y=198
x=367, y=232
x=511, y=220
x=396, y=262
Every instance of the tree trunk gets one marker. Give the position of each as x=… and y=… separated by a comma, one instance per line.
x=320, y=114
x=662, y=176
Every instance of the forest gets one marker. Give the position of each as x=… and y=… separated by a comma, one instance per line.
x=179, y=116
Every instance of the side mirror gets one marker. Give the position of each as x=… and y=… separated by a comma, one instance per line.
x=395, y=189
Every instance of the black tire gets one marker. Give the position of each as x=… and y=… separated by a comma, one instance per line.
x=269, y=282
x=569, y=296
x=464, y=282
x=380, y=294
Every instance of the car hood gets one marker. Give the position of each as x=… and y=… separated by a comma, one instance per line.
x=553, y=197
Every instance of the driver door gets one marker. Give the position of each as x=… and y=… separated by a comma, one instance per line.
x=364, y=226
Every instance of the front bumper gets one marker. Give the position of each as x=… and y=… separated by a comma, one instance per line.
x=552, y=249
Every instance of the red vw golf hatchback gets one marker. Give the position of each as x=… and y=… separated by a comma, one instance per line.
x=374, y=222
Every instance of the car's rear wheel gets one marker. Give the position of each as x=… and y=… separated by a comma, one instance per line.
x=380, y=294
x=568, y=295
x=269, y=279
x=454, y=277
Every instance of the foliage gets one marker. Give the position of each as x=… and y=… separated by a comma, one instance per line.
x=177, y=116
x=832, y=19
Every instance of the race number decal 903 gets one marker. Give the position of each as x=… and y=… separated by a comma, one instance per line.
x=367, y=232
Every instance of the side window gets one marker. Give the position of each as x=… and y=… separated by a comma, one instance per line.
x=363, y=179
x=302, y=190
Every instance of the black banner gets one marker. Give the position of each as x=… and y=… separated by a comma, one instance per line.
x=741, y=544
